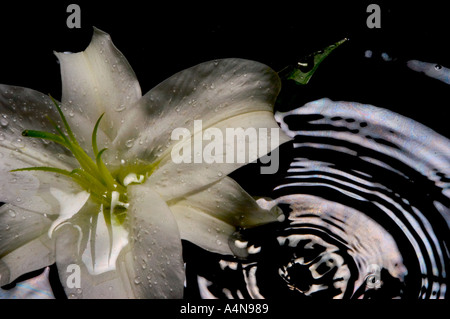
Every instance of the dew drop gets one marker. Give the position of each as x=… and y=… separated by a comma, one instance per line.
x=4, y=121
x=438, y=66
x=120, y=108
x=129, y=143
x=19, y=143
x=137, y=280
x=220, y=174
x=11, y=213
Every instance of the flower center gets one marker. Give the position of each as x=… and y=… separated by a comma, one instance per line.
x=105, y=187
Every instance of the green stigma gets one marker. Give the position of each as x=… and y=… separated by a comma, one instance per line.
x=105, y=187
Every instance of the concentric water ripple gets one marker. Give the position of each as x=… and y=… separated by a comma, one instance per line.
x=366, y=194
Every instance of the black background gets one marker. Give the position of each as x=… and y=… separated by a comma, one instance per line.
x=161, y=39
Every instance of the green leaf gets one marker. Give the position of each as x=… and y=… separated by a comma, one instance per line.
x=302, y=72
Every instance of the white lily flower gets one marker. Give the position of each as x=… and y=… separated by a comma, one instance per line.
x=120, y=214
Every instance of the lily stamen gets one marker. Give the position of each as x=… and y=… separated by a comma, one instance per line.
x=92, y=175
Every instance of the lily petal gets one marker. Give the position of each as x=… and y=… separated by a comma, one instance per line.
x=21, y=109
x=83, y=247
x=24, y=244
x=158, y=270
x=174, y=180
x=209, y=217
x=32, y=191
x=99, y=80
x=211, y=91
x=25, y=109
x=138, y=259
x=75, y=276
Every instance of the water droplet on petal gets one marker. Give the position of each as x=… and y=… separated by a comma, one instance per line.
x=120, y=108
x=129, y=143
x=11, y=213
x=4, y=121
x=220, y=174
x=19, y=143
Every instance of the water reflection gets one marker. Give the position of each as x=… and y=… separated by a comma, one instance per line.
x=366, y=193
